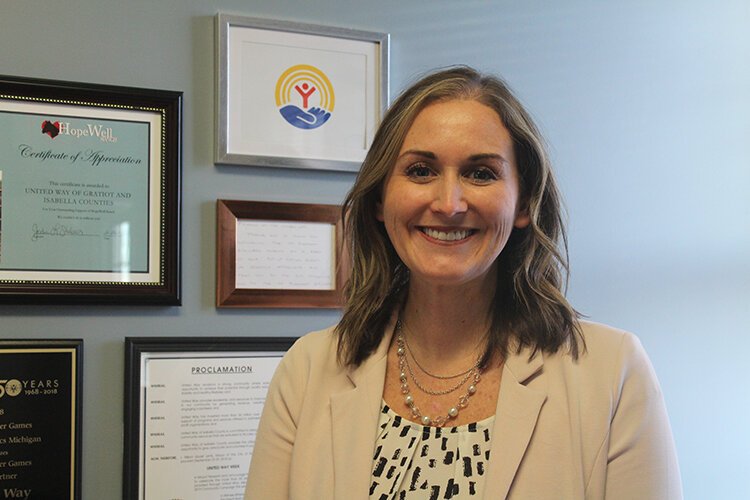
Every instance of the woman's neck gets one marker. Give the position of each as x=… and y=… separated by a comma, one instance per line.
x=447, y=324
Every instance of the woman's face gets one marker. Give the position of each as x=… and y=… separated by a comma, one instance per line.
x=452, y=198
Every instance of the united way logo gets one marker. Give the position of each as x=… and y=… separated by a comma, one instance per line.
x=304, y=96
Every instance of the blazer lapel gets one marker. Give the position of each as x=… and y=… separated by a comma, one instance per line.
x=354, y=416
x=516, y=415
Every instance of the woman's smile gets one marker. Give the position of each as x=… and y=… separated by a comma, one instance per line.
x=447, y=235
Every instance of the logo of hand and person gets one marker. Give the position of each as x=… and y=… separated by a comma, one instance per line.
x=304, y=96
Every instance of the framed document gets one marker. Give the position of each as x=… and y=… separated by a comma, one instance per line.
x=89, y=193
x=192, y=407
x=297, y=95
x=40, y=418
x=279, y=255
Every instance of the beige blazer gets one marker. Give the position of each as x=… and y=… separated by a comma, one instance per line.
x=589, y=429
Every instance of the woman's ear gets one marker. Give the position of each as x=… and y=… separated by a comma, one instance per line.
x=379, y=211
x=523, y=218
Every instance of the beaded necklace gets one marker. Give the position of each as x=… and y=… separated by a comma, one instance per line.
x=404, y=368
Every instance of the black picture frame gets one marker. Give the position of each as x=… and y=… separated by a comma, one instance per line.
x=154, y=235
x=139, y=351
x=41, y=389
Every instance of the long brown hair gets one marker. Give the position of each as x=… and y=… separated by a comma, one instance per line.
x=529, y=304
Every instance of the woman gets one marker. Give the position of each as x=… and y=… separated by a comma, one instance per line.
x=459, y=369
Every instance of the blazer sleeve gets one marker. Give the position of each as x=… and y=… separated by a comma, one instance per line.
x=268, y=477
x=641, y=457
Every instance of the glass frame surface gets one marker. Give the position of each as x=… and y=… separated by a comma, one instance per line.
x=229, y=213
x=223, y=360
x=52, y=147
x=50, y=429
x=252, y=53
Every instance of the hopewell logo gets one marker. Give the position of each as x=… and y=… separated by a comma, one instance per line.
x=50, y=128
x=54, y=129
x=304, y=96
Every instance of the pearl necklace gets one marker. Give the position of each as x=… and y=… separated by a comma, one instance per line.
x=441, y=420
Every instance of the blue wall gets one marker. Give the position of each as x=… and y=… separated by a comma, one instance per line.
x=646, y=106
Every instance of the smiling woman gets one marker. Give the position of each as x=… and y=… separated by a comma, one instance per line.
x=459, y=369
x=453, y=197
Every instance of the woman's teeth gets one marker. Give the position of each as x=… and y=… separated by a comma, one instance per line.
x=447, y=235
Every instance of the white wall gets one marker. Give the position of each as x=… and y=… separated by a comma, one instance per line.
x=646, y=106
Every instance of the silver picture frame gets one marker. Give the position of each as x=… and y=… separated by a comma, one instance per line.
x=262, y=67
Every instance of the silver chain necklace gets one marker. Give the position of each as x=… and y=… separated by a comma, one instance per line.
x=441, y=377
x=441, y=420
x=402, y=341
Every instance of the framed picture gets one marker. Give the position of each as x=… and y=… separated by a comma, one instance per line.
x=279, y=255
x=40, y=418
x=297, y=95
x=89, y=193
x=192, y=407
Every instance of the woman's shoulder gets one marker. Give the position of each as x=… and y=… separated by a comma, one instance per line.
x=314, y=350
x=311, y=364
x=604, y=339
x=315, y=343
x=317, y=340
x=610, y=350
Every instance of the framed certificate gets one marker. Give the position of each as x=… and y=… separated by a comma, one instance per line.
x=191, y=411
x=40, y=418
x=297, y=95
x=279, y=255
x=89, y=193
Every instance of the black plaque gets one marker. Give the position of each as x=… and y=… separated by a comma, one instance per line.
x=40, y=415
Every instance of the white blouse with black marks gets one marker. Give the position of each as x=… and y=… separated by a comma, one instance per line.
x=413, y=461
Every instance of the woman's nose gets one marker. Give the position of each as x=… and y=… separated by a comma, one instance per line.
x=450, y=197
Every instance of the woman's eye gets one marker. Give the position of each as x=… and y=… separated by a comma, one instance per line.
x=482, y=174
x=418, y=170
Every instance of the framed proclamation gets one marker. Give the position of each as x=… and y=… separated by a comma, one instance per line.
x=40, y=418
x=89, y=193
x=192, y=406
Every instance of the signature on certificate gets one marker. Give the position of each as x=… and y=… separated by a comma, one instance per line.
x=111, y=234
x=57, y=230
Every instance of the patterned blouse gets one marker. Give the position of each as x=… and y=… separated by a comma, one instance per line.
x=414, y=461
